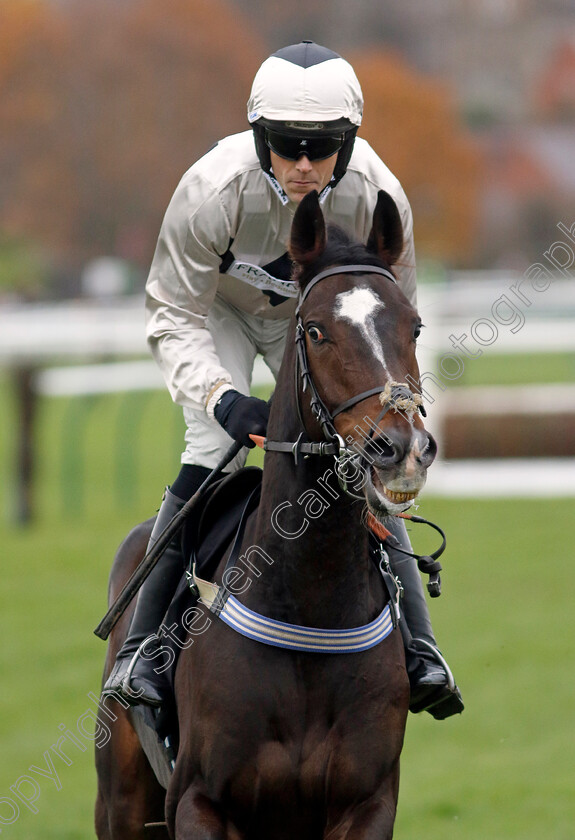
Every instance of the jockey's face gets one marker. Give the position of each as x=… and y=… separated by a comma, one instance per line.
x=299, y=177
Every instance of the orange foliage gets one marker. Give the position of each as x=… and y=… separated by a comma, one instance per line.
x=104, y=105
x=411, y=121
x=20, y=21
x=554, y=95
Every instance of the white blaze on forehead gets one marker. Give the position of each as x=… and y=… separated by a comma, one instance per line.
x=359, y=306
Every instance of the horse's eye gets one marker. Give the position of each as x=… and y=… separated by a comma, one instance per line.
x=315, y=334
x=417, y=331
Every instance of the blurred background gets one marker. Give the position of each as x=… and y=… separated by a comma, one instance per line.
x=103, y=105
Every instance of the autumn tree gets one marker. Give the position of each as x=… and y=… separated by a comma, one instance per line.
x=104, y=105
x=412, y=122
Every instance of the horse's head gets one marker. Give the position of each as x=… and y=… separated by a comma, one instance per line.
x=357, y=334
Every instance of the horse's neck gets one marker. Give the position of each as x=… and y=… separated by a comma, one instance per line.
x=315, y=546
x=316, y=568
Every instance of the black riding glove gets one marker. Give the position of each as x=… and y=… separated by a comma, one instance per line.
x=241, y=416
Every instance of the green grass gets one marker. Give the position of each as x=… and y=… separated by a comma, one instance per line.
x=504, y=769
x=517, y=368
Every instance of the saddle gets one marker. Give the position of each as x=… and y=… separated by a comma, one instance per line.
x=219, y=514
x=208, y=533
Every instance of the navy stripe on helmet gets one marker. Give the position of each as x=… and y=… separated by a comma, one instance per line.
x=306, y=54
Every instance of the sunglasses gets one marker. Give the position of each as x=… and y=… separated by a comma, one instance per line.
x=314, y=148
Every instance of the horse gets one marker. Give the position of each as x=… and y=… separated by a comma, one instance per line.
x=292, y=710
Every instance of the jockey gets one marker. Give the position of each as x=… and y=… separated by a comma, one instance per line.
x=219, y=292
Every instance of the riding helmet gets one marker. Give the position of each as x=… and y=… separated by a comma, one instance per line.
x=306, y=89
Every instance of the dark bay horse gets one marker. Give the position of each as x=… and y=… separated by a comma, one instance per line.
x=278, y=743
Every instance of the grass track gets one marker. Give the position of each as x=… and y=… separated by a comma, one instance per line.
x=504, y=769
x=494, y=368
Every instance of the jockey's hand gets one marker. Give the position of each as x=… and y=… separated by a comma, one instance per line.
x=241, y=416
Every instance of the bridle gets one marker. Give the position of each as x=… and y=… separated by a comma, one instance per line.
x=396, y=394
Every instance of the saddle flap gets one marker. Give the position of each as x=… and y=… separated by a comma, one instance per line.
x=207, y=536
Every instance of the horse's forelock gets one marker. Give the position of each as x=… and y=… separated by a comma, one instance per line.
x=341, y=249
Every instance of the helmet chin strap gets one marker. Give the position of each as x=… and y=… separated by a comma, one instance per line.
x=344, y=156
x=276, y=187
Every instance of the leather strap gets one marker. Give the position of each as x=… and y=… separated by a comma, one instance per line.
x=343, y=269
x=300, y=447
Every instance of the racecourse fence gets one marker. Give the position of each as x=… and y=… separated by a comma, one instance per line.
x=88, y=353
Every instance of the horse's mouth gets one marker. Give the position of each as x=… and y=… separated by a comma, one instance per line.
x=385, y=500
x=396, y=497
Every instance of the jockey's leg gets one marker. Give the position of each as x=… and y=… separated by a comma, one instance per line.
x=206, y=442
x=145, y=684
x=432, y=685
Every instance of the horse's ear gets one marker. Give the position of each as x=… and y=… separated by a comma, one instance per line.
x=386, y=237
x=308, y=234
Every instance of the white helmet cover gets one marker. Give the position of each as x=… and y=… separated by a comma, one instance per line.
x=306, y=83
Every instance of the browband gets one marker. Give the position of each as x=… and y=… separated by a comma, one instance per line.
x=343, y=269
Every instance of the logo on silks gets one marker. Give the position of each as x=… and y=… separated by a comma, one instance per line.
x=278, y=289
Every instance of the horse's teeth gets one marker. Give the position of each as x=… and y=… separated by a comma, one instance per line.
x=395, y=496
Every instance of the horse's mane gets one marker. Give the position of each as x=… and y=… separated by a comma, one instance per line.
x=341, y=249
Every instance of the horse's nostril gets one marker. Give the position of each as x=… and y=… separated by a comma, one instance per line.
x=430, y=451
x=381, y=450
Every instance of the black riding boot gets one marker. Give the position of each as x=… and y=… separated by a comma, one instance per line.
x=133, y=675
x=433, y=688
x=137, y=674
